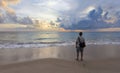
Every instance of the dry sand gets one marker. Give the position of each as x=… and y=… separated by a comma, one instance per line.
x=97, y=59
x=62, y=66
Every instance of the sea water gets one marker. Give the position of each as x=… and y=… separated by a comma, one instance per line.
x=39, y=39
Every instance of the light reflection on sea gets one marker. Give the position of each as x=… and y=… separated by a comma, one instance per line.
x=91, y=52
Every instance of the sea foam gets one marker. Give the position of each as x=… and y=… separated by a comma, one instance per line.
x=50, y=44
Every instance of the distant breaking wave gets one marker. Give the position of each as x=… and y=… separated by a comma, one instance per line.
x=34, y=45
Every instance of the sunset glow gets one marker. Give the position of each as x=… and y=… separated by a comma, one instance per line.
x=59, y=15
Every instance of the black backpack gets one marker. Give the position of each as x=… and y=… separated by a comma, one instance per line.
x=81, y=44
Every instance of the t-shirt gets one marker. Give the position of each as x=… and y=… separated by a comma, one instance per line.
x=79, y=39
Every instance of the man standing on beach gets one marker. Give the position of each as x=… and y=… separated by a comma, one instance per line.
x=80, y=44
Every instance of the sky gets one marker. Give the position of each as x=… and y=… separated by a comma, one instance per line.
x=59, y=14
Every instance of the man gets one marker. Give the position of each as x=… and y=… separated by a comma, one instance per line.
x=80, y=44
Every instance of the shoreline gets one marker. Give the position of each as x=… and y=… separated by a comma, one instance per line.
x=91, y=52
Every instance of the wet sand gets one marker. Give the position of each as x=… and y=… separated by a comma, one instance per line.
x=91, y=52
x=97, y=59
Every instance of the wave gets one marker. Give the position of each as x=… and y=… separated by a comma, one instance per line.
x=34, y=45
x=103, y=43
x=49, y=44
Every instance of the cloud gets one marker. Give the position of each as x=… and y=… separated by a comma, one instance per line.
x=13, y=26
x=95, y=14
x=58, y=5
x=13, y=18
x=26, y=20
x=96, y=19
x=70, y=14
x=13, y=1
x=8, y=15
x=4, y=4
x=88, y=9
x=90, y=14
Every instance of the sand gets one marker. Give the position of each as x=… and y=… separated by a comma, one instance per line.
x=97, y=59
x=62, y=66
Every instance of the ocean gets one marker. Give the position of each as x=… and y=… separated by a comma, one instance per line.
x=40, y=39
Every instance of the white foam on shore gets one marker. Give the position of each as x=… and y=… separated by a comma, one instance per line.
x=33, y=45
x=48, y=44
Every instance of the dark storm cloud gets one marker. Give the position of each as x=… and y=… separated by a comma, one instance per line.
x=96, y=14
x=96, y=19
x=13, y=18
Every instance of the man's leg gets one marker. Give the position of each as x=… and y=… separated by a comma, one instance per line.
x=77, y=54
x=81, y=55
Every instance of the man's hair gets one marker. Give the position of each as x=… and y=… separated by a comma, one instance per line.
x=80, y=33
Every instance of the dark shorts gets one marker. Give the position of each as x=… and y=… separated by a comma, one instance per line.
x=79, y=49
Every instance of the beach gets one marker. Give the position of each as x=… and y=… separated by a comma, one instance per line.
x=63, y=66
x=41, y=36
x=61, y=59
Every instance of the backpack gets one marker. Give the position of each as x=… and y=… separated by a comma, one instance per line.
x=81, y=44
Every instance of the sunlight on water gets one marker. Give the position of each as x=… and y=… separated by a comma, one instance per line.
x=45, y=39
x=48, y=37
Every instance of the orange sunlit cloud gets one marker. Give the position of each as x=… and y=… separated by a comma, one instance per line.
x=12, y=26
x=108, y=29
x=5, y=4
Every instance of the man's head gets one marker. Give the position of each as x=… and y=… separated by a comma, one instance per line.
x=80, y=33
